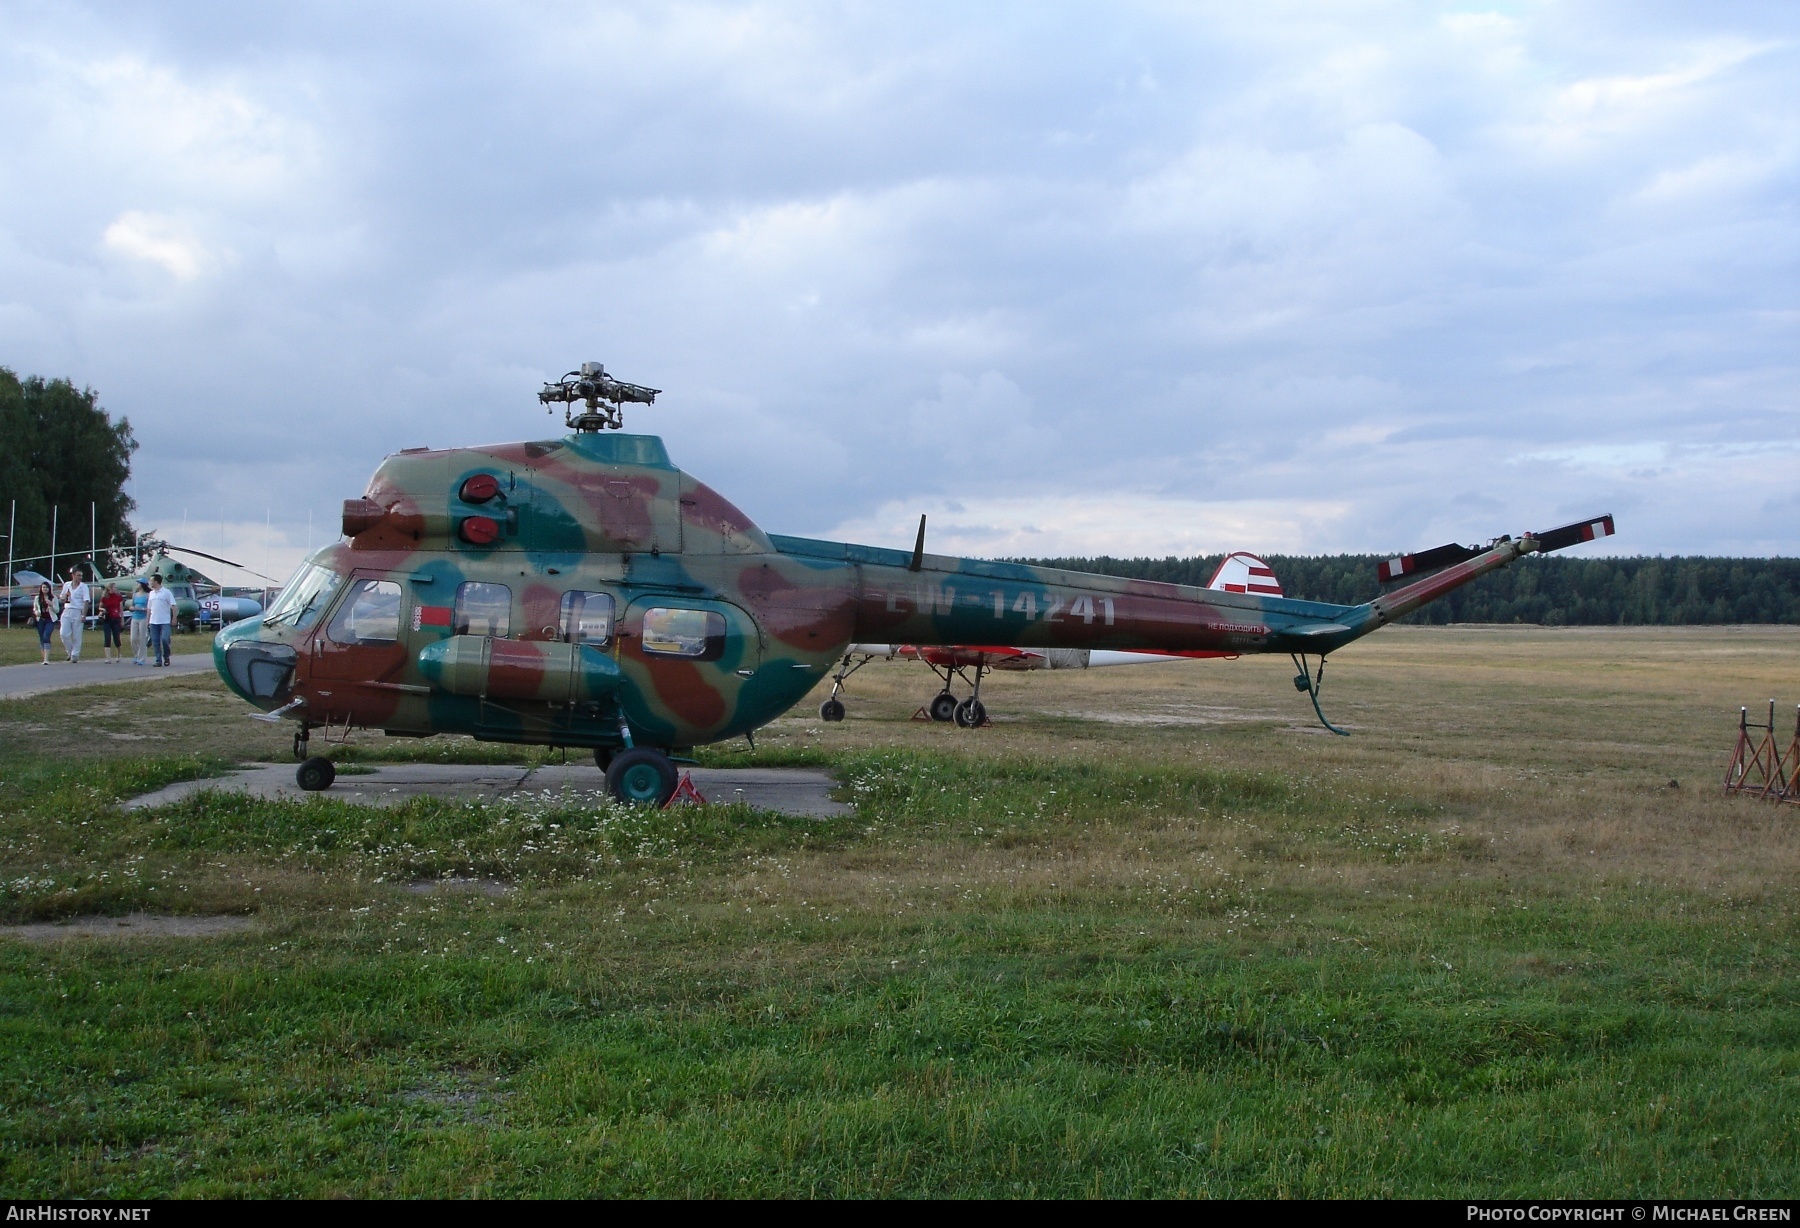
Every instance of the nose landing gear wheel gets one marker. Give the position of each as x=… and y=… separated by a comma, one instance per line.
x=604, y=755
x=315, y=774
x=943, y=707
x=641, y=776
x=971, y=714
x=831, y=710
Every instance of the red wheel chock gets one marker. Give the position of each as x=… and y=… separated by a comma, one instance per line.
x=685, y=793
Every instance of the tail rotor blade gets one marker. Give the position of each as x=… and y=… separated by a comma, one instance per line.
x=1425, y=560
x=1574, y=534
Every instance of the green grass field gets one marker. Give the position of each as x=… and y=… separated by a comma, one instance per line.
x=1152, y=934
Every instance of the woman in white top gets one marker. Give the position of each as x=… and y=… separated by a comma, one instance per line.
x=75, y=598
x=161, y=604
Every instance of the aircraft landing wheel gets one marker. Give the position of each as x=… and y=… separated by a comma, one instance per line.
x=943, y=707
x=971, y=714
x=831, y=710
x=604, y=755
x=315, y=774
x=641, y=776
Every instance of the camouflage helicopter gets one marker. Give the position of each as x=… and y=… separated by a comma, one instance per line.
x=584, y=592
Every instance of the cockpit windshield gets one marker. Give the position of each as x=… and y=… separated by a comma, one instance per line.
x=304, y=597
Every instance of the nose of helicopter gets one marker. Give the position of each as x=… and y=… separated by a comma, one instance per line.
x=257, y=668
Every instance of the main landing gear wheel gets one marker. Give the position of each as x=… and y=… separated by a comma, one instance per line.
x=971, y=714
x=315, y=774
x=604, y=755
x=831, y=710
x=641, y=776
x=943, y=707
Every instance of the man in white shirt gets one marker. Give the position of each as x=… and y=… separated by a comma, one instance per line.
x=74, y=597
x=162, y=620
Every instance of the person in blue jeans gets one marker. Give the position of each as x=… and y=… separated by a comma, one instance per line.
x=161, y=607
x=43, y=616
x=140, y=622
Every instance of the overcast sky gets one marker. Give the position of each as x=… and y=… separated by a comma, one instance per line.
x=1134, y=279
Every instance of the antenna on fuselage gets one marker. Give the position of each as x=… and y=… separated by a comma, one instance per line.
x=604, y=397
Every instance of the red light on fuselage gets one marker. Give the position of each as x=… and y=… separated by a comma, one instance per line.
x=479, y=488
x=479, y=531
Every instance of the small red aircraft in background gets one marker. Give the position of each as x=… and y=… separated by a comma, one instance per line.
x=1239, y=572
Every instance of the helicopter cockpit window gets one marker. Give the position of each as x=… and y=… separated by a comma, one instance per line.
x=483, y=609
x=303, y=597
x=370, y=614
x=699, y=634
x=587, y=618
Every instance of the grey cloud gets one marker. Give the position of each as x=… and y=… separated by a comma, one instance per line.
x=878, y=255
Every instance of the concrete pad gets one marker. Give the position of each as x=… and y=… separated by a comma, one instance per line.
x=385, y=784
x=804, y=792
x=132, y=925
x=798, y=791
x=18, y=681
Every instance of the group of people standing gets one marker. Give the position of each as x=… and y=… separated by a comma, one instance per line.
x=152, y=614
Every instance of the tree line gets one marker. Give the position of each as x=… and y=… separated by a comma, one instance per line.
x=1550, y=590
x=60, y=452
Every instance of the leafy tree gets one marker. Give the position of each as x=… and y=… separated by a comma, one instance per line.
x=60, y=451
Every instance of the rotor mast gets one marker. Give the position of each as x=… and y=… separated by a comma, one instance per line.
x=593, y=399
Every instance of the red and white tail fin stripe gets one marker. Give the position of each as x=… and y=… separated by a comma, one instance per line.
x=1241, y=572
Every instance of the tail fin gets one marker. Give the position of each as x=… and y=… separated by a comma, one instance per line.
x=1241, y=572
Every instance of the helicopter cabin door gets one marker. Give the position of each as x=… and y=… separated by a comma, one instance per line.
x=687, y=658
x=362, y=642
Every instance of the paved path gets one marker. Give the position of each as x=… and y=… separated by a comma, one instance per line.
x=805, y=792
x=131, y=925
x=18, y=681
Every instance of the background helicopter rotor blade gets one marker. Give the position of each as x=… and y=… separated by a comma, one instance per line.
x=215, y=558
